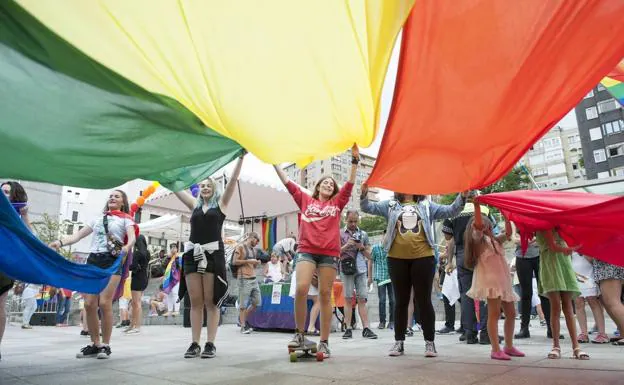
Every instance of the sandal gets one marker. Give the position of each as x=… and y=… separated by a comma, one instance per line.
x=619, y=342
x=555, y=354
x=582, y=338
x=580, y=355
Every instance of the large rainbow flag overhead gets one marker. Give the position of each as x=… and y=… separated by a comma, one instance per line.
x=614, y=82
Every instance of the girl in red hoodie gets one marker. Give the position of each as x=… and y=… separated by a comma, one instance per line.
x=318, y=247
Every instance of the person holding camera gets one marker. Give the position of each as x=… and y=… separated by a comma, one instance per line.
x=355, y=252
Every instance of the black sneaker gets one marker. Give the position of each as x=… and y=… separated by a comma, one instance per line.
x=409, y=332
x=347, y=335
x=209, y=350
x=523, y=333
x=472, y=338
x=89, y=351
x=445, y=330
x=484, y=339
x=367, y=333
x=84, y=333
x=193, y=351
x=382, y=325
x=459, y=330
x=246, y=330
x=104, y=352
x=462, y=337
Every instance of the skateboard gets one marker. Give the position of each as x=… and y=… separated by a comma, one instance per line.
x=297, y=353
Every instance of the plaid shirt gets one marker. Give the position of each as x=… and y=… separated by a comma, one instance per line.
x=380, y=264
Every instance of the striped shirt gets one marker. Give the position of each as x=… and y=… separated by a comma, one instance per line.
x=380, y=265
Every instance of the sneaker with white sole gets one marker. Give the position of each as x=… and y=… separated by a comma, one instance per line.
x=89, y=351
x=104, y=352
x=323, y=347
x=133, y=331
x=430, y=349
x=397, y=349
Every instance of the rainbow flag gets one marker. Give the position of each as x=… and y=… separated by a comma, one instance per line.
x=614, y=82
x=172, y=275
x=269, y=233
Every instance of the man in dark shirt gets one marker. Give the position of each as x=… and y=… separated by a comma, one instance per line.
x=454, y=229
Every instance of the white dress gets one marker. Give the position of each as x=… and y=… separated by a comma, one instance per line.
x=492, y=277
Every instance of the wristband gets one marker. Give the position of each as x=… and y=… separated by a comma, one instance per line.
x=355, y=160
x=61, y=242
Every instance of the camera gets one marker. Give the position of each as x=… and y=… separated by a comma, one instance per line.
x=357, y=237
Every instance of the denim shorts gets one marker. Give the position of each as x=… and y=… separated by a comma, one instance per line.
x=248, y=290
x=355, y=281
x=318, y=260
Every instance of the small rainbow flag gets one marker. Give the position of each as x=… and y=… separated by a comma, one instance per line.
x=614, y=82
x=269, y=234
x=172, y=275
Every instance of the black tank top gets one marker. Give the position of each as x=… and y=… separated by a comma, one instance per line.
x=207, y=227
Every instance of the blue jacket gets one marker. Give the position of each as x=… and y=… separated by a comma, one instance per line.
x=427, y=211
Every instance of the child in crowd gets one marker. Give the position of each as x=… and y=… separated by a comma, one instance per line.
x=558, y=282
x=491, y=282
x=589, y=294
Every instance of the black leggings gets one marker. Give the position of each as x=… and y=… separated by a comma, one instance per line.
x=417, y=274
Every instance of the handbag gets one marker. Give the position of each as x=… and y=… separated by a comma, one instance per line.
x=114, y=246
x=348, y=266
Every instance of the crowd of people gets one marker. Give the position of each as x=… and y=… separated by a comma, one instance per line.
x=402, y=266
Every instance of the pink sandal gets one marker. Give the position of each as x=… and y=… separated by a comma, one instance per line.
x=513, y=352
x=582, y=338
x=500, y=355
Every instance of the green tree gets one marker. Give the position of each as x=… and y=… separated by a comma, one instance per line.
x=49, y=229
x=516, y=179
x=373, y=224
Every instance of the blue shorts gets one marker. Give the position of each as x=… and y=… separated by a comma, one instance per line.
x=318, y=260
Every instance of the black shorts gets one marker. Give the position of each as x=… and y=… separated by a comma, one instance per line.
x=190, y=265
x=104, y=261
x=139, y=281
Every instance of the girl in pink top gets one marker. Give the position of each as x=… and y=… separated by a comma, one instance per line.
x=491, y=281
x=319, y=248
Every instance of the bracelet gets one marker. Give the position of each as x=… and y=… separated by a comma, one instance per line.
x=355, y=160
x=61, y=242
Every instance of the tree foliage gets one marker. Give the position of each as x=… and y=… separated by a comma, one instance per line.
x=49, y=229
x=373, y=224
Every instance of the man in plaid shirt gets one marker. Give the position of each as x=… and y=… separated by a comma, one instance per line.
x=378, y=272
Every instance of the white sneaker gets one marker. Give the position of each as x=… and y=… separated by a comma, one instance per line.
x=133, y=331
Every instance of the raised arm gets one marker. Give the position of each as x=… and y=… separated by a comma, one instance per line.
x=186, y=198
x=281, y=174
x=375, y=208
x=229, y=189
x=449, y=211
x=354, y=162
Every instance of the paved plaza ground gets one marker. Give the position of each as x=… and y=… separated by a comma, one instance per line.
x=45, y=355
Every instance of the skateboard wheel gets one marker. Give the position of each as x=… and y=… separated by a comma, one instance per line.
x=293, y=357
x=319, y=356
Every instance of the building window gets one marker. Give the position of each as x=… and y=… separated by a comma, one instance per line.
x=70, y=229
x=604, y=174
x=574, y=139
x=608, y=105
x=539, y=171
x=154, y=216
x=554, y=155
x=74, y=216
x=618, y=171
x=589, y=94
x=595, y=134
x=615, y=150
x=600, y=155
x=591, y=113
x=613, y=127
x=336, y=167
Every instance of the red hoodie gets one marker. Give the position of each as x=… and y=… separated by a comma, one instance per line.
x=319, y=227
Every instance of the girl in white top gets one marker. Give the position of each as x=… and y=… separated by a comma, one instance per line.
x=589, y=293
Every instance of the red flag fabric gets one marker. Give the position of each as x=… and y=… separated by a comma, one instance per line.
x=479, y=81
x=592, y=221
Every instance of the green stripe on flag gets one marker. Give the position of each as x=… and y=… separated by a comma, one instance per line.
x=67, y=119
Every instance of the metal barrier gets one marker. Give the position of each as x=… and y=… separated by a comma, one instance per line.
x=46, y=310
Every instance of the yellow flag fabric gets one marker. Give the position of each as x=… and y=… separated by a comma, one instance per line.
x=288, y=80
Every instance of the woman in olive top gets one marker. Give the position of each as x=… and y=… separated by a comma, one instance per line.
x=411, y=261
